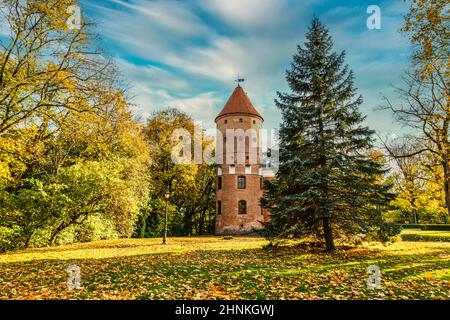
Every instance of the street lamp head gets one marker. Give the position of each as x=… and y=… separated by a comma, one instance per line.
x=167, y=195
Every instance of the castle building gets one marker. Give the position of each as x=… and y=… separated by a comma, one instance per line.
x=240, y=173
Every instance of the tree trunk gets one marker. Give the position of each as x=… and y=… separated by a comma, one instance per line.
x=57, y=231
x=446, y=185
x=61, y=228
x=416, y=217
x=143, y=227
x=328, y=234
x=27, y=240
x=188, y=222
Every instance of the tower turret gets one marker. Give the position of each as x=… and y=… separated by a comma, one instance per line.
x=239, y=172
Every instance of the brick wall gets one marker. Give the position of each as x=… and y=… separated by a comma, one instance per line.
x=230, y=221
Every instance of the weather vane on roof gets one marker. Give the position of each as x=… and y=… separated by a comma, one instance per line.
x=239, y=80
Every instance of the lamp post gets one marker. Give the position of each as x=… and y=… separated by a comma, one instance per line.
x=167, y=196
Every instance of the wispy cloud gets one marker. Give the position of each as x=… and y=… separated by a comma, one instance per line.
x=186, y=54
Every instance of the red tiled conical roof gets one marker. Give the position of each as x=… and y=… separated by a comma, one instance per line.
x=239, y=103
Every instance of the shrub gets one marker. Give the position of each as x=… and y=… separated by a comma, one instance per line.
x=436, y=227
x=425, y=237
x=431, y=227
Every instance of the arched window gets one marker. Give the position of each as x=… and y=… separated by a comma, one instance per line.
x=219, y=207
x=241, y=182
x=242, y=207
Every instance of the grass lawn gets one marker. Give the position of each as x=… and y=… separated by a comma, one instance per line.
x=213, y=268
x=425, y=235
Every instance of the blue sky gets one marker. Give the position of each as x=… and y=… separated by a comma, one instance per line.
x=186, y=54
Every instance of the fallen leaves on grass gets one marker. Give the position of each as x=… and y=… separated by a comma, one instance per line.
x=210, y=268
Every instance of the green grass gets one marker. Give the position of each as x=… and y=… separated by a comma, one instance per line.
x=213, y=268
x=424, y=235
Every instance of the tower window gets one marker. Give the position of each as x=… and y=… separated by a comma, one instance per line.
x=219, y=207
x=226, y=121
x=232, y=169
x=219, y=183
x=242, y=206
x=241, y=182
x=254, y=121
x=241, y=120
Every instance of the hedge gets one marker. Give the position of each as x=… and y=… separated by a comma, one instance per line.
x=430, y=227
x=424, y=237
x=411, y=226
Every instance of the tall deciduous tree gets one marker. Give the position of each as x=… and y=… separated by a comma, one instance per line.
x=420, y=196
x=425, y=108
x=326, y=183
x=72, y=157
x=425, y=94
x=46, y=68
x=191, y=186
x=426, y=24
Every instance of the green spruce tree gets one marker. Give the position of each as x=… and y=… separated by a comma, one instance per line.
x=326, y=185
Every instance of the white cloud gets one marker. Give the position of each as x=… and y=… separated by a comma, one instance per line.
x=190, y=52
x=154, y=88
x=220, y=60
x=217, y=59
x=157, y=77
x=200, y=107
x=171, y=16
x=247, y=14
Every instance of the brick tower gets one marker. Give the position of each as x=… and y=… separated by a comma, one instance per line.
x=239, y=171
